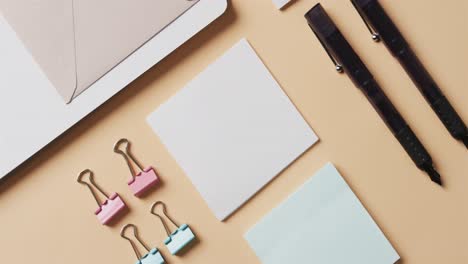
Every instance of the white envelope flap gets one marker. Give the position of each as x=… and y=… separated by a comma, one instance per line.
x=76, y=42
x=46, y=29
x=107, y=31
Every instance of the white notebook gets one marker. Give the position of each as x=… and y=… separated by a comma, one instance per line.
x=323, y=222
x=232, y=129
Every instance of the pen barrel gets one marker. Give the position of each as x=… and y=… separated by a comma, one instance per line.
x=376, y=16
x=397, y=124
x=419, y=75
x=450, y=118
x=432, y=93
x=414, y=148
x=383, y=106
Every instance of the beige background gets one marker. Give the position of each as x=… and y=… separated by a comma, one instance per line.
x=46, y=217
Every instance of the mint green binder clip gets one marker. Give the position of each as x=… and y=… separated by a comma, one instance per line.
x=152, y=257
x=180, y=238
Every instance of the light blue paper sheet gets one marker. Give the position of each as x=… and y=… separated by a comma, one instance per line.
x=321, y=223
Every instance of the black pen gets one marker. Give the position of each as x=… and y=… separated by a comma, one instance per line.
x=382, y=27
x=346, y=60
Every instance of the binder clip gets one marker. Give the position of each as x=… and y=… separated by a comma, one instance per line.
x=141, y=181
x=178, y=239
x=152, y=257
x=109, y=208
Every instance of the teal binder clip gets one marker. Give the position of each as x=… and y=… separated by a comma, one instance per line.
x=178, y=239
x=152, y=257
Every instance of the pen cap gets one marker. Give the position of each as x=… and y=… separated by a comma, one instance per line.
x=320, y=22
x=379, y=23
x=337, y=46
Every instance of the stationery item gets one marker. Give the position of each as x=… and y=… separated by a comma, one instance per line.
x=141, y=181
x=280, y=3
x=152, y=257
x=232, y=129
x=322, y=222
x=180, y=238
x=28, y=95
x=113, y=204
x=86, y=38
x=382, y=27
x=345, y=59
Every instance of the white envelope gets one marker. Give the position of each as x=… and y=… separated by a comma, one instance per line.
x=76, y=42
x=33, y=121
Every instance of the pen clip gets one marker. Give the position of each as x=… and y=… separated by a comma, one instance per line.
x=338, y=67
x=375, y=35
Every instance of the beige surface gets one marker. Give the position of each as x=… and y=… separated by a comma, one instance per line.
x=46, y=217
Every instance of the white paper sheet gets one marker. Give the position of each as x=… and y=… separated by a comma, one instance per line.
x=324, y=223
x=280, y=3
x=232, y=129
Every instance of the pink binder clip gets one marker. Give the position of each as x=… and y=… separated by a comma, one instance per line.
x=141, y=181
x=111, y=207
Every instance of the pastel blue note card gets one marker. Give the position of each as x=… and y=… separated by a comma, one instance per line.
x=179, y=239
x=323, y=222
x=153, y=257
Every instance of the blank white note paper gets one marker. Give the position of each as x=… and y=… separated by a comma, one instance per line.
x=232, y=129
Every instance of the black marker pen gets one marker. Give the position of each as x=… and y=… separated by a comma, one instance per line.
x=383, y=28
x=346, y=60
